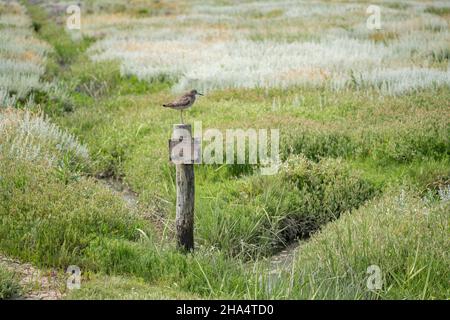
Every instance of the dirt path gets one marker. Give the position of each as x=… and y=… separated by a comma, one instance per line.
x=36, y=284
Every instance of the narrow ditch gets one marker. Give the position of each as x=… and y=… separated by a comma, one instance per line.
x=280, y=261
x=162, y=226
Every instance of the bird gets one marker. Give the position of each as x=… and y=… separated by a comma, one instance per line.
x=184, y=102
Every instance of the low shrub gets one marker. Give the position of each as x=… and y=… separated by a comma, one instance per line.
x=401, y=234
x=9, y=287
x=262, y=213
x=50, y=221
x=32, y=137
x=401, y=144
x=49, y=210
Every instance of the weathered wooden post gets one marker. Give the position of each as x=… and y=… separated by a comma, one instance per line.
x=183, y=153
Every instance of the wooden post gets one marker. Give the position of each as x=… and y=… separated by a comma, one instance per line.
x=185, y=188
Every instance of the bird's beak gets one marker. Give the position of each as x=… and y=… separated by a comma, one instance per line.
x=200, y=93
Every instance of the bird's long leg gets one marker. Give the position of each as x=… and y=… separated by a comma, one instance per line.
x=182, y=116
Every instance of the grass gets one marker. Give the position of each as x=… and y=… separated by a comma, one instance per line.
x=22, y=56
x=258, y=215
x=57, y=230
x=65, y=49
x=379, y=136
x=9, y=286
x=440, y=11
x=278, y=45
x=122, y=288
x=347, y=157
x=401, y=233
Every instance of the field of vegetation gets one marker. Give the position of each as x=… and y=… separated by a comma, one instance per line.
x=364, y=142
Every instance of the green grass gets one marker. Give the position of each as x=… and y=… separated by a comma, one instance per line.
x=382, y=137
x=50, y=222
x=402, y=234
x=440, y=11
x=260, y=214
x=9, y=286
x=400, y=130
x=347, y=157
x=122, y=288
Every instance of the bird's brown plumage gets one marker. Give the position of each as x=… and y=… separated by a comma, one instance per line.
x=185, y=101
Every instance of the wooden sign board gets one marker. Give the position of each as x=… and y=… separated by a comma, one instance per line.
x=185, y=151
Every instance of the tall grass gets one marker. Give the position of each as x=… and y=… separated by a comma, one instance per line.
x=403, y=235
x=259, y=215
x=49, y=211
x=34, y=138
x=22, y=55
x=53, y=214
x=384, y=144
x=211, y=45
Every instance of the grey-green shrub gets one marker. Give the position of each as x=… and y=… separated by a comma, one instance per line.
x=9, y=287
x=32, y=137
